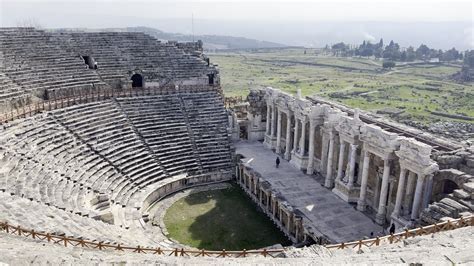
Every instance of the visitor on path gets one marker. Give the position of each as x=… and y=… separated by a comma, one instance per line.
x=277, y=162
x=392, y=229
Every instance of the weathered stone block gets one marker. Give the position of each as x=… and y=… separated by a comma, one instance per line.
x=454, y=204
x=469, y=187
x=450, y=160
x=461, y=194
x=470, y=162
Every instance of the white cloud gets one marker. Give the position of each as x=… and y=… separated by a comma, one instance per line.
x=368, y=36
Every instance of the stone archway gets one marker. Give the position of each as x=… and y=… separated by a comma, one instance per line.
x=137, y=81
x=449, y=186
x=446, y=181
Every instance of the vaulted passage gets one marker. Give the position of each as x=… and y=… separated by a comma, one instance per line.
x=449, y=186
x=137, y=81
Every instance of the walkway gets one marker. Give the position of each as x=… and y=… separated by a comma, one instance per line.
x=324, y=213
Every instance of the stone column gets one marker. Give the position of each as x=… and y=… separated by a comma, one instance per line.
x=295, y=137
x=417, y=200
x=328, y=182
x=380, y=216
x=297, y=231
x=352, y=161
x=363, y=185
x=400, y=192
x=340, y=166
x=273, y=121
x=288, y=226
x=303, y=137
x=427, y=191
x=312, y=128
x=268, y=119
x=324, y=151
x=278, y=144
x=267, y=206
x=288, y=136
x=407, y=203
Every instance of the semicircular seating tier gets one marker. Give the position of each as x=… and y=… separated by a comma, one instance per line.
x=92, y=165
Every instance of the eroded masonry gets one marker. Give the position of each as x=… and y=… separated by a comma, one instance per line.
x=406, y=178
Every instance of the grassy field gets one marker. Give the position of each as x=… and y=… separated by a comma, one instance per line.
x=416, y=89
x=221, y=219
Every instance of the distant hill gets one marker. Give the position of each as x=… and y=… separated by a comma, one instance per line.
x=210, y=41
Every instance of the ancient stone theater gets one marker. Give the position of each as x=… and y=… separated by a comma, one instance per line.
x=98, y=127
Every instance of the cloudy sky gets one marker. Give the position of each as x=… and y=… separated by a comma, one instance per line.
x=338, y=10
x=275, y=20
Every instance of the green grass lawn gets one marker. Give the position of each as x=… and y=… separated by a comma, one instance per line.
x=417, y=89
x=221, y=219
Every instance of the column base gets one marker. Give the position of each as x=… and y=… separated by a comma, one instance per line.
x=348, y=194
x=380, y=218
x=309, y=170
x=287, y=156
x=298, y=161
x=270, y=142
x=361, y=205
x=329, y=182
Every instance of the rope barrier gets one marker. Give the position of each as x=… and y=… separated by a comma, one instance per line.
x=388, y=239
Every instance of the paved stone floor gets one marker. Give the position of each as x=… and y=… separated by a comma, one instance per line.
x=323, y=210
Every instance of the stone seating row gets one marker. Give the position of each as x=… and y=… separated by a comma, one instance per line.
x=51, y=157
x=208, y=122
x=103, y=127
x=42, y=218
x=160, y=122
x=36, y=60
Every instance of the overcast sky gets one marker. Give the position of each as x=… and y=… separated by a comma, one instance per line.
x=43, y=11
x=443, y=23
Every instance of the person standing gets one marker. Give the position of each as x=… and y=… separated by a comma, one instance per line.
x=277, y=162
x=392, y=229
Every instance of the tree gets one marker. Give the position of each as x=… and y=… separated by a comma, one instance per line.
x=423, y=52
x=388, y=64
x=340, y=49
x=380, y=45
x=410, y=54
x=392, y=51
x=451, y=55
x=469, y=58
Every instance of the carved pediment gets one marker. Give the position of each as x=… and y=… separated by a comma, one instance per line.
x=348, y=126
x=416, y=156
x=377, y=137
